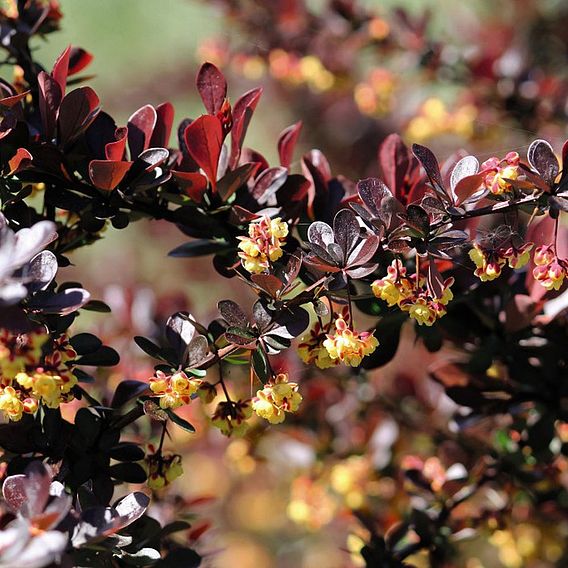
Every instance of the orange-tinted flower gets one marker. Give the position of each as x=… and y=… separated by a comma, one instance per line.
x=348, y=346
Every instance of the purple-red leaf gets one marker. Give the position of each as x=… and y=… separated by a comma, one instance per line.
x=115, y=150
x=191, y=183
x=107, y=174
x=49, y=101
x=242, y=113
x=542, y=159
x=212, y=87
x=61, y=69
x=287, y=143
x=78, y=60
x=163, y=129
x=77, y=110
x=395, y=160
x=204, y=139
x=372, y=191
x=234, y=179
x=140, y=128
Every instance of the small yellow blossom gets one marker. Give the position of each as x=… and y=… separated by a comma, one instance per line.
x=277, y=398
x=10, y=404
x=263, y=245
x=348, y=346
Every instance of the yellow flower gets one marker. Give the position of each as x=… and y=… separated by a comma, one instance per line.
x=347, y=346
x=10, y=404
x=263, y=245
x=487, y=268
x=386, y=290
x=421, y=312
x=312, y=351
x=275, y=399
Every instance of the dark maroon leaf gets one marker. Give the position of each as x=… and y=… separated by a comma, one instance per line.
x=372, y=191
x=126, y=391
x=63, y=303
x=212, y=87
x=140, y=128
x=394, y=159
x=320, y=233
x=77, y=110
x=234, y=179
x=542, y=159
x=417, y=219
x=346, y=229
x=179, y=332
x=287, y=142
x=269, y=283
x=431, y=167
x=49, y=100
x=41, y=271
x=361, y=271
x=363, y=251
x=268, y=183
x=260, y=315
x=232, y=313
x=204, y=139
x=242, y=114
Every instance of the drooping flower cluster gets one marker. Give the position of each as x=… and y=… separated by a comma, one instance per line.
x=174, y=390
x=500, y=172
x=162, y=469
x=490, y=262
x=349, y=346
x=231, y=417
x=277, y=398
x=550, y=270
x=30, y=378
x=263, y=245
x=399, y=289
x=311, y=349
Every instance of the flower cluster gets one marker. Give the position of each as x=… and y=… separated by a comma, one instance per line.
x=263, y=245
x=174, y=390
x=349, y=346
x=311, y=349
x=231, y=417
x=162, y=469
x=490, y=262
x=396, y=288
x=499, y=173
x=29, y=378
x=549, y=270
x=277, y=398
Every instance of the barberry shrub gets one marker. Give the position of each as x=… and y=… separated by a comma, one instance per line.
x=467, y=255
